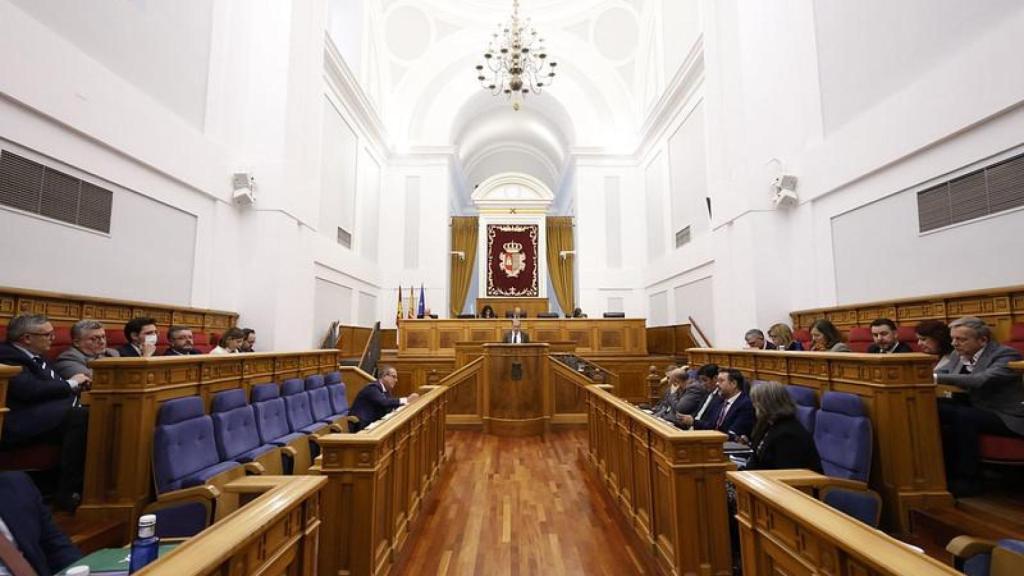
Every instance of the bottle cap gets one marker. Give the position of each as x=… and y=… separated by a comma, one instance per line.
x=78, y=571
x=147, y=520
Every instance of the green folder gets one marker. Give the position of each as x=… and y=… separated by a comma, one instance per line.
x=112, y=561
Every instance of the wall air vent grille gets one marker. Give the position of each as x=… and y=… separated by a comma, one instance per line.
x=990, y=190
x=344, y=237
x=39, y=189
x=683, y=237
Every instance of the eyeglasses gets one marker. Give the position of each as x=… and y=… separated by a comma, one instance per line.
x=97, y=338
x=49, y=334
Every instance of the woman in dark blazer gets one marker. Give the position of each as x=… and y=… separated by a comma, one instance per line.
x=779, y=440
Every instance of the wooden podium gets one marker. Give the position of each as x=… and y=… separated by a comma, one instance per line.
x=517, y=397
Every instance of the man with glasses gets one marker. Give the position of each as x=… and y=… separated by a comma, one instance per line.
x=182, y=341
x=43, y=404
x=88, y=342
x=374, y=401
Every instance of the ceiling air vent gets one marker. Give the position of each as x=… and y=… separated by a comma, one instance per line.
x=990, y=190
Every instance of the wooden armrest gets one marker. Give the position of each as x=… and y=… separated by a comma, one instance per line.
x=288, y=451
x=337, y=429
x=968, y=546
x=254, y=468
x=204, y=492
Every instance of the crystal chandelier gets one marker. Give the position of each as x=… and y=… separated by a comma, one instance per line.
x=515, y=62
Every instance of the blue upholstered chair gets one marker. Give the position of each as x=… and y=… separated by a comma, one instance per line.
x=187, y=470
x=297, y=409
x=978, y=557
x=842, y=434
x=806, y=405
x=238, y=439
x=320, y=404
x=864, y=505
x=272, y=425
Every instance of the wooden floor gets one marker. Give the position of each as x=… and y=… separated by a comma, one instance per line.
x=519, y=506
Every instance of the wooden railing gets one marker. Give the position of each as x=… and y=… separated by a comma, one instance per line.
x=377, y=482
x=785, y=531
x=465, y=404
x=672, y=340
x=900, y=399
x=352, y=340
x=668, y=484
x=123, y=405
x=66, y=309
x=6, y=373
x=999, y=307
x=276, y=533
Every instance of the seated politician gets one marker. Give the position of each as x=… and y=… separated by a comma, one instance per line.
x=142, y=335
x=374, y=401
x=994, y=400
x=230, y=342
x=779, y=440
x=825, y=337
x=248, y=340
x=686, y=394
x=516, y=335
x=181, y=340
x=755, y=340
x=88, y=342
x=883, y=332
x=26, y=525
x=43, y=406
x=729, y=411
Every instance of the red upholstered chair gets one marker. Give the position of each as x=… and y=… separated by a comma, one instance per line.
x=3, y=333
x=1001, y=449
x=115, y=336
x=1017, y=337
x=803, y=336
x=61, y=341
x=30, y=457
x=162, y=343
x=860, y=338
x=201, y=342
x=908, y=336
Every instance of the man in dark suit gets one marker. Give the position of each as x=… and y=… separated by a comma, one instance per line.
x=181, y=342
x=141, y=334
x=32, y=530
x=685, y=395
x=756, y=341
x=995, y=399
x=516, y=335
x=374, y=401
x=731, y=412
x=43, y=405
x=883, y=332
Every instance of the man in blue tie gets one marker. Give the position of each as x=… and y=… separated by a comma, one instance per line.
x=43, y=406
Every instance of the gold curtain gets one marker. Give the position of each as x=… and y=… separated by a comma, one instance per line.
x=464, y=232
x=559, y=230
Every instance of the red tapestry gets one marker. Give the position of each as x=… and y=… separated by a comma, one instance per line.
x=512, y=260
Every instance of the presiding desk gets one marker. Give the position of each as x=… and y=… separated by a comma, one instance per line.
x=899, y=397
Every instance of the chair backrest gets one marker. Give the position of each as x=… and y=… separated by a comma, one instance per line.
x=339, y=399
x=234, y=424
x=864, y=505
x=806, y=405
x=1007, y=558
x=269, y=408
x=1017, y=337
x=803, y=336
x=332, y=378
x=614, y=314
x=908, y=336
x=61, y=341
x=547, y=315
x=296, y=403
x=182, y=442
x=842, y=434
x=319, y=398
x=860, y=338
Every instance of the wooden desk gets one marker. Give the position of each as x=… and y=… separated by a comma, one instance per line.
x=529, y=306
x=900, y=399
x=377, y=482
x=124, y=401
x=6, y=373
x=278, y=532
x=593, y=338
x=668, y=484
x=466, y=352
x=785, y=531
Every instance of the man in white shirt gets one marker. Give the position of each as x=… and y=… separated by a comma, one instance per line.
x=516, y=335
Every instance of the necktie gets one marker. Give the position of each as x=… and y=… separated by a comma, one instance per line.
x=721, y=415
x=44, y=367
x=965, y=369
x=13, y=559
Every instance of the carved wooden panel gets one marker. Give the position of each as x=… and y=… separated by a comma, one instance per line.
x=612, y=339
x=448, y=337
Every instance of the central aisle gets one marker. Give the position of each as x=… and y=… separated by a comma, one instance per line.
x=519, y=506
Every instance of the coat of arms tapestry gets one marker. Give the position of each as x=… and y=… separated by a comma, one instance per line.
x=512, y=260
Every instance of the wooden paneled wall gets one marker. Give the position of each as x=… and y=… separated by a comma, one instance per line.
x=530, y=306
x=124, y=402
x=670, y=340
x=377, y=483
x=66, y=309
x=668, y=484
x=593, y=338
x=900, y=399
x=277, y=533
x=785, y=531
x=6, y=373
x=352, y=340
x=999, y=307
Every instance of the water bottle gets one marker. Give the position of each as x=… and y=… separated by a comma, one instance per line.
x=146, y=546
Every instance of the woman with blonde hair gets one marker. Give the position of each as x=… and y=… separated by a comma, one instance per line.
x=782, y=336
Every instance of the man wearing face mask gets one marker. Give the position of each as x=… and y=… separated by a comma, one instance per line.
x=141, y=334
